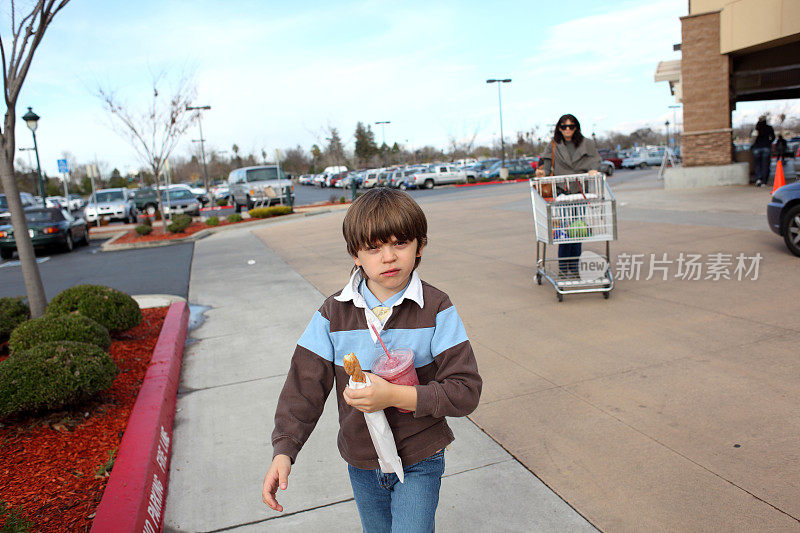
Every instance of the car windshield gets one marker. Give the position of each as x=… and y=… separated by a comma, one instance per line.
x=3, y=201
x=43, y=215
x=108, y=196
x=179, y=194
x=261, y=174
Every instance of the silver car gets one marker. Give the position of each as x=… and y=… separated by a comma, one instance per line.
x=111, y=204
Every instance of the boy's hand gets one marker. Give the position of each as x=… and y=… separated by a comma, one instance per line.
x=277, y=475
x=380, y=395
x=539, y=172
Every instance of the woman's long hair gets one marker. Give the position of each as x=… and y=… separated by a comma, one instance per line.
x=577, y=137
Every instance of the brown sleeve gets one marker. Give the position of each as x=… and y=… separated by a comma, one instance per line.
x=456, y=387
x=301, y=401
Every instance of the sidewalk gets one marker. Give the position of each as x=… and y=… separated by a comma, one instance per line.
x=670, y=407
x=232, y=374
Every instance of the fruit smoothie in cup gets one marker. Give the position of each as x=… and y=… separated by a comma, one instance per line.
x=398, y=369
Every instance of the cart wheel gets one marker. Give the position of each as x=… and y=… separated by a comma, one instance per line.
x=560, y=297
x=606, y=294
x=538, y=278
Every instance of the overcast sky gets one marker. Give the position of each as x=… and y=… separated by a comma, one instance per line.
x=277, y=73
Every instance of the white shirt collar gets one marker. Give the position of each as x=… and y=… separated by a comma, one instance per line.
x=350, y=291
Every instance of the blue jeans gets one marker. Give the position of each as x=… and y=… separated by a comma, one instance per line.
x=572, y=249
x=386, y=505
x=761, y=160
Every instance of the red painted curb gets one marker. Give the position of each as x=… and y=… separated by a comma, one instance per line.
x=495, y=182
x=137, y=489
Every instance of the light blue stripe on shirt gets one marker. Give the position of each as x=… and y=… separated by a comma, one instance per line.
x=360, y=343
x=449, y=331
x=316, y=337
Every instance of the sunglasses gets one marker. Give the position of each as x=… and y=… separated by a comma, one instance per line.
x=567, y=127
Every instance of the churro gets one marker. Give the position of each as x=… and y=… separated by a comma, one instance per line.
x=353, y=369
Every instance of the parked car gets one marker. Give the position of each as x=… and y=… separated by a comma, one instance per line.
x=516, y=168
x=56, y=201
x=261, y=184
x=607, y=167
x=76, y=202
x=179, y=201
x=48, y=227
x=644, y=158
x=306, y=179
x=111, y=204
x=611, y=155
x=27, y=199
x=370, y=179
x=783, y=215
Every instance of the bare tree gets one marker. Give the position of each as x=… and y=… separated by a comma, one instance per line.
x=27, y=32
x=155, y=131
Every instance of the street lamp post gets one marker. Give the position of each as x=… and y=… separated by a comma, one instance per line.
x=32, y=120
x=500, y=105
x=666, y=124
x=383, y=124
x=202, y=143
x=674, y=118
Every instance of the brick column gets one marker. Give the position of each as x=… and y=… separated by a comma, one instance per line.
x=705, y=81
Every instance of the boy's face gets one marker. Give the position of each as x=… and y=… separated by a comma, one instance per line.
x=388, y=266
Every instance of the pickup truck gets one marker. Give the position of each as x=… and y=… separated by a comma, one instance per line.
x=437, y=175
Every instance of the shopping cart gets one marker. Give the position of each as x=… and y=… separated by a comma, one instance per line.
x=570, y=209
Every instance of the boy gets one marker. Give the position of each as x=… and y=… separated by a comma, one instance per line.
x=385, y=231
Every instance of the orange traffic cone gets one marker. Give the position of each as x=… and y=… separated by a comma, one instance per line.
x=779, y=181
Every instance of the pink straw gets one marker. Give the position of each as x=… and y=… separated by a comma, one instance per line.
x=380, y=340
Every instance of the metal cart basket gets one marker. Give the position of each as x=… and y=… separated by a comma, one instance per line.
x=571, y=209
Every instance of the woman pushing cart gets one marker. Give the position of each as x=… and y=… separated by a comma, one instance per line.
x=572, y=204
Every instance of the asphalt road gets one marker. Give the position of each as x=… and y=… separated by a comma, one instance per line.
x=163, y=270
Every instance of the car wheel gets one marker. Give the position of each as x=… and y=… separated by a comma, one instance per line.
x=250, y=204
x=403, y=187
x=150, y=209
x=69, y=244
x=429, y=184
x=791, y=230
x=85, y=240
x=642, y=165
x=5, y=253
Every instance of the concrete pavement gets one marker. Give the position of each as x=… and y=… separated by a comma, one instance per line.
x=232, y=374
x=671, y=406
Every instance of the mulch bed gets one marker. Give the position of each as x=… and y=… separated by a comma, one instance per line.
x=51, y=467
x=158, y=233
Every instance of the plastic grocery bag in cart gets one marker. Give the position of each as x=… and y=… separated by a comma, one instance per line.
x=382, y=437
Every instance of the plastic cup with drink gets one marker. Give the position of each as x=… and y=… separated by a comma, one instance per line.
x=396, y=367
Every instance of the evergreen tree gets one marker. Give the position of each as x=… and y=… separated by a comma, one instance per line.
x=365, y=143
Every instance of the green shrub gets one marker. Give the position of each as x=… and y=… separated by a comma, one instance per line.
x=179, y=223
x=212, y=221
x=235, y=217
x=267, y=212
x=53, y=375
x=342, y=199
x=183, y=220
x=144, y=229
x=51, y=328
x=222, y=202
x=109, y=307
x=13, y=312
x=146, y=221
x=12, y=519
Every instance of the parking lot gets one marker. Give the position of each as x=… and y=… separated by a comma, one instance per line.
x=166, y=269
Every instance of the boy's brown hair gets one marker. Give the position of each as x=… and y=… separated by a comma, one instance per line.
x=380, y=214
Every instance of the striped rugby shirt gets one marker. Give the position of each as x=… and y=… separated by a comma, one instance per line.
x=424, y=320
